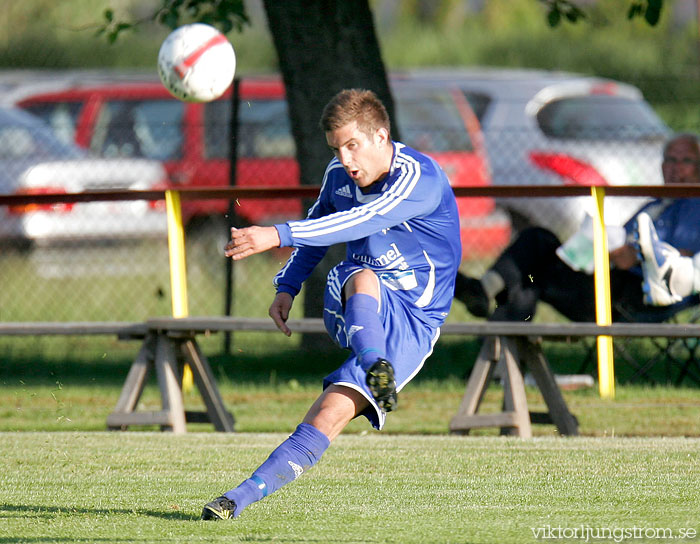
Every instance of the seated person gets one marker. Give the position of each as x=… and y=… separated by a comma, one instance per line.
x=530, y=270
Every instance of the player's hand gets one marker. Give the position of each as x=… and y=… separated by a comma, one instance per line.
x=279, y=311
x=251, y=240
x=624, y=257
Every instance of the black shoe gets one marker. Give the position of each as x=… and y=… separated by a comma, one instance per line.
x=472, y=294
x=382, y=385
x=221, y=508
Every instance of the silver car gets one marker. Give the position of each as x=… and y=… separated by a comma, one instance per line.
x=33, y=160
x=553, y=128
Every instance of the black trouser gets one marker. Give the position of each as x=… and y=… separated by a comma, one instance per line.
x=532, y=271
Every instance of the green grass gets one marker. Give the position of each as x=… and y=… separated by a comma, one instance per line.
x=143, y=487
x=636, y=466
x=425, y=408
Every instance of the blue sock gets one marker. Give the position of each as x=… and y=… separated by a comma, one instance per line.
x=297, y=454
x=364, y=328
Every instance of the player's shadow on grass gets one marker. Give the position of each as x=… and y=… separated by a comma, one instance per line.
x=46, y=511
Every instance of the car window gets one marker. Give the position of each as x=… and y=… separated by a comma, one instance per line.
x=264, y=130
x=479, y=103
x=16, y=142
x=217, y=125
x=62, y=117
x=31, y=142
x=135, y=128
x=599, y=117
x=428, y=120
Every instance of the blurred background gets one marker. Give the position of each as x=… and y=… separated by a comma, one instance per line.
x=487, y=87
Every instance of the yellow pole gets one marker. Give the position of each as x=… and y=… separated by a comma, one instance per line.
x=178, y=267
x=606, y=365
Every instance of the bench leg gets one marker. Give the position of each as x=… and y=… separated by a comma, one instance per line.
x=169, y=383
x=157, y=352
x=515, y=415
x=559, y=412
x=478, y=382
x=204, y=378
x=165, y=353
x=134, y=384
x=514, y=399
x=515, y=418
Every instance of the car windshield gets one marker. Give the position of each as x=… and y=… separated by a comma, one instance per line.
x=600, y=117
x=22, y=138
x=264, y=130
x=429, y=121
x=140, y=128
x=62, y=117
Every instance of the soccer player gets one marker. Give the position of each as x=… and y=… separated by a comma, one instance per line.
x=396, y=212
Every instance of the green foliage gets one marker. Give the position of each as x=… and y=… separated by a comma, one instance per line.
x=226, y=15
x=112, y=28
x=50, y=34
x=562, y=9
x=662, y=59
x=81, y=34
x=650, y=10
x=516, y=33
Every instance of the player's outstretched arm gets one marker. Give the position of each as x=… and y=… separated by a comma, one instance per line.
x=251, y=240
x=279, y=311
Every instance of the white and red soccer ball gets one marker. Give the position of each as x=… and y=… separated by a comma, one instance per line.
x=196, y=63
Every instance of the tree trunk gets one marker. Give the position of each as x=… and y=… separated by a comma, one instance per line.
x=323, y=46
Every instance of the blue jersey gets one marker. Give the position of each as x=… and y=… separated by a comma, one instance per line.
x=405, y=229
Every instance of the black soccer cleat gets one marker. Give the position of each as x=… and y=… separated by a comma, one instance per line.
x=382, y=385
x=221, y=508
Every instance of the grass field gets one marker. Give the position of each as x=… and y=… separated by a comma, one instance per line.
x=62, y=479
x=144, y=487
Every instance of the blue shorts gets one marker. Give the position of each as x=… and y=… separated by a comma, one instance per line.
x=409, y=340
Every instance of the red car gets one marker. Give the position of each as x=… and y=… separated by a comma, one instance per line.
x=127, y=117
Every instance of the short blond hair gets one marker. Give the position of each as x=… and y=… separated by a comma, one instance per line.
x=358, y=105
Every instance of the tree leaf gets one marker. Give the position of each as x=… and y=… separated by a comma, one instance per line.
x=170, y=19
x=653, y=11
x=634, y=11
x=554, y=16
x=574, y=14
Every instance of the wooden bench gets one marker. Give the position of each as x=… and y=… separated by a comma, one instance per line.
x=121, y=329
x=516, y=345
x=162, y=350
x=172, y=342
x=169, y=343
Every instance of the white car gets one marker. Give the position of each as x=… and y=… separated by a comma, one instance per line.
x=554, y=128
x=33, y=160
